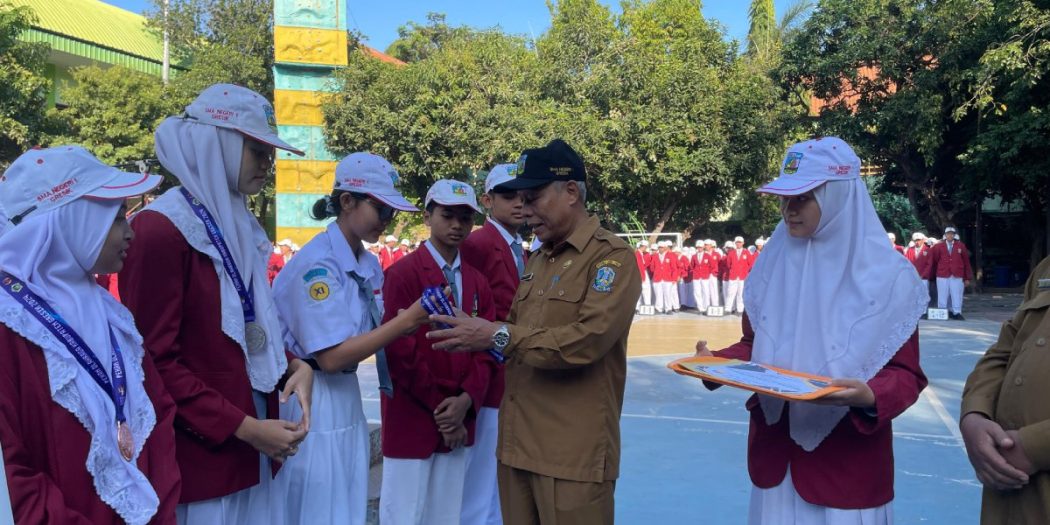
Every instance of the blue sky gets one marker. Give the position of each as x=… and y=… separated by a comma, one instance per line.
x=379, y=20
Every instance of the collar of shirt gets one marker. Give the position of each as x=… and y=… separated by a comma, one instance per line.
x=456, y=270
x=511, y=239
x=577, y=239
x=345, y=256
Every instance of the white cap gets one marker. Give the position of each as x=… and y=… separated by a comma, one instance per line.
x=45, y=179
x=918, y=236
x=499, y=174
x=452, y=193
x=760, y=242
x=295, y=247
x=728, y=244
x=285, y=242
x=738, y=239
x=710, y=242
x=949, y=229
x=809, y=164
x=892, y=236
x=238, y=108
x=390, y=238
x=372, y=175
x=404, y=242
x=699, y=244
x=643, y=243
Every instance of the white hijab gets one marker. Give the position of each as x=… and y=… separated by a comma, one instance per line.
x=207, y=161
x=52, y=252
x=840, y=303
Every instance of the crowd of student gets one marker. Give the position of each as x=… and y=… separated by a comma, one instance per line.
x=205, y=395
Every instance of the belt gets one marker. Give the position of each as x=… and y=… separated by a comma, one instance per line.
x=313, y=364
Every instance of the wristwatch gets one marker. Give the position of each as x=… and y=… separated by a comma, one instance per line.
x=501, y=339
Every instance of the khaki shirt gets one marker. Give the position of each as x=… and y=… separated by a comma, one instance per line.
x=567, y=358
x=1011, y=385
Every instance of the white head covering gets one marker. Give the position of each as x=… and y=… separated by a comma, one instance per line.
x=838, y=304
x=207, y=161
x=52, y=252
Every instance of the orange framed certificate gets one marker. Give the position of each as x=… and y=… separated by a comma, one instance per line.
x=756, y=377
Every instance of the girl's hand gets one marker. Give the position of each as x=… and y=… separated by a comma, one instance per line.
x=301, y=383
x=857, y=393
x=701, y=350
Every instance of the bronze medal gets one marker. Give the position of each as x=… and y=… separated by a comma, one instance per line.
x=125, y=442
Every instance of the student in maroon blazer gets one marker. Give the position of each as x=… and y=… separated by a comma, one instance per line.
x=66, y=455
x=223, y=378
x=829, y=460
x=430, y=418
x=496, y=250
x=949, y=263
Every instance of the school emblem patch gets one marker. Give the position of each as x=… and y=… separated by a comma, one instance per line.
x=271, y=119
x=791, y=162
x=319, y=291
x=603, y=280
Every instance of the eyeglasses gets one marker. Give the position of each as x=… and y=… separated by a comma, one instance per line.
x=385, y=212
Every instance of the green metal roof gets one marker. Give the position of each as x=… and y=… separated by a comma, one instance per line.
x=97, y=24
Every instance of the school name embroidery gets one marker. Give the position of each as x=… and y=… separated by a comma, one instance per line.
x=57, y=192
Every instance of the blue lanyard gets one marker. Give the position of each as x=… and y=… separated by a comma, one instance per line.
x=247, y=301
x=435, y=302
x=117, y=389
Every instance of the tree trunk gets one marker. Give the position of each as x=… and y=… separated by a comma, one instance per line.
x=670, y=205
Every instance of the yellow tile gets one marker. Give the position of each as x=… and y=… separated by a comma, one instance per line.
x=303, y=45
x=302, y=108
x=305, y=176
x=299, y=236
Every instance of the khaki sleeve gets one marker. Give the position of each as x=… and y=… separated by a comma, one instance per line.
x=981, y=392
x=1035, y=441
x=603, y=318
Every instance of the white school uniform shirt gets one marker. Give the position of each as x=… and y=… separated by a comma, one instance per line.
x=456, y=270
x=320, y=304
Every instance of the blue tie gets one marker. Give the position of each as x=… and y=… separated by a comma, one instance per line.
x=450, y=277
x=368, y=295
x=519, y=257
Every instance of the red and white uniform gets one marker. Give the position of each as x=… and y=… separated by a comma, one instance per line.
x=949, y=262
x=644, y=261
x=701, y=265
x=852, y=468
x=421, y=476
x=919, y=255
x=738, y=266
x=389, y=256
x=665, y=277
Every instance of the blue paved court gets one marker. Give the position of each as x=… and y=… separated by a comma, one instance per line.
x=684, y=457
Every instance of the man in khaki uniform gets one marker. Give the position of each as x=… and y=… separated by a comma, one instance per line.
x=566, y=352
x=1006, y=413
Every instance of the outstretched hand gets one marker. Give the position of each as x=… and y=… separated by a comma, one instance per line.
x=467, y=334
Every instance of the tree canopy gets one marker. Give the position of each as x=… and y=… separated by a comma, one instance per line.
x=670, y=121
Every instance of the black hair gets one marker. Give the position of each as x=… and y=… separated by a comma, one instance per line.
x=330, y=205
x=430, y=207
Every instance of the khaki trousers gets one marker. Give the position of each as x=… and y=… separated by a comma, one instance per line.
x=528, y=498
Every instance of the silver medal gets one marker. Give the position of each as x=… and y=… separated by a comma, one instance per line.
x=254, y=337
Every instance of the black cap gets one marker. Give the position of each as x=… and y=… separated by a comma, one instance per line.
x=556, y=161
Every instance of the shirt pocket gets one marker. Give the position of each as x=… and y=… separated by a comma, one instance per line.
x=563, y=304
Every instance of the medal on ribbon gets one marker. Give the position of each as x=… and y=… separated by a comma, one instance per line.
x=435, y=302
x=114, y=385
x=255, y=337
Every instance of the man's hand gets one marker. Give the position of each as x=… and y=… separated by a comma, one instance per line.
x=456, y=438
x=1015, y=455
x=984, y=440
x=468, y=334
x=855, y=393
x=301, y=383
x=450, y=413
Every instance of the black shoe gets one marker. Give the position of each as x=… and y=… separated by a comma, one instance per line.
x=959, y=317
x=924, y=316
